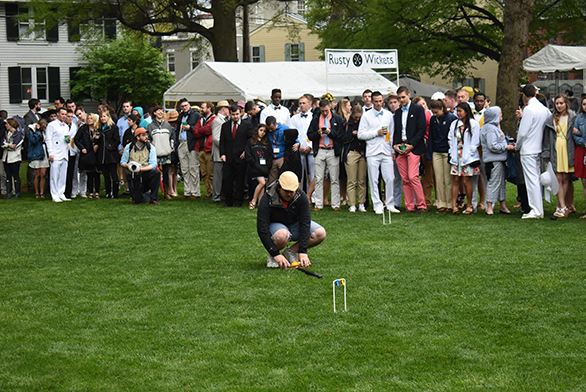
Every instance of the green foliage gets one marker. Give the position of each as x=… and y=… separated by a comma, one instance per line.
x=433, y=37
x=122, y=69
x=103, y=295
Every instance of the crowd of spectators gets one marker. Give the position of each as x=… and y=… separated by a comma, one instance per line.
x=454, y=158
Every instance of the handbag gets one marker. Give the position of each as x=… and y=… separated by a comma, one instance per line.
x=512, y=170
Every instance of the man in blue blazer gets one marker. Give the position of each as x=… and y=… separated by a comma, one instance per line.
x=408, y=145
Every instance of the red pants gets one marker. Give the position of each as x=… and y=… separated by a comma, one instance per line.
x=408, y=165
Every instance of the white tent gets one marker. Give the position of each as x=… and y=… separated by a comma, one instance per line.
x=215, y=81
x=422, y=89
x=553, y=58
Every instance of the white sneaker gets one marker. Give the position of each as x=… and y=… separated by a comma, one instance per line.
x=379, y=211
x=73, y=196
x=271, y=263
x=532, y=215
x=393, y=210
x=63, y=198
x=352, y=209
x=83, y=195
x=57, y=200
x=290, y=255
x=361, y=208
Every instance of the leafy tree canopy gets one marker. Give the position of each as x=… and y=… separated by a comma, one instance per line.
x=154, y=17
x=440, y=36
x=128, y=68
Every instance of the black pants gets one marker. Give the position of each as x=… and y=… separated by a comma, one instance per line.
x=70, y=174
x=110, y=172
x=234, y=172
x=12, y=173
x=93, y=182
x=143, y=185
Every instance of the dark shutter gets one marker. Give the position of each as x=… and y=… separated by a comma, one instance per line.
x=110, y=28
x=11, y=22
x=73, y=34
x=54, y=84
x=53, y=34
x=15, y=88
x=73, y=78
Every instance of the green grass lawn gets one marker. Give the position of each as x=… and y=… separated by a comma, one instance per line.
x=102, y=295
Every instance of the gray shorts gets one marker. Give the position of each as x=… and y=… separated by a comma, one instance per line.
x=293, y=229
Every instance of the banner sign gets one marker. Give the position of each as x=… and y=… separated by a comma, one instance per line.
x=361, y=60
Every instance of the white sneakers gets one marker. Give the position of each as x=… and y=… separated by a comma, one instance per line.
x=290, y=255
x=394, y=210
x=361, y=208
x=352, y=209
x=379, y=211
x=63, y=198
x=532, y=215
x=271, y=263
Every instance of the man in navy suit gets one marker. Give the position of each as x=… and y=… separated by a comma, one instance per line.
x=233, y=138
x=408, y=147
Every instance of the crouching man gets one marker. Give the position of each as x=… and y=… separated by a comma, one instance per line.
x=144, y=178
x=284, y=216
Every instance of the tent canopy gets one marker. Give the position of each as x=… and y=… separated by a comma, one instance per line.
x=422, y=89
x=553, y=58
x=215, y=81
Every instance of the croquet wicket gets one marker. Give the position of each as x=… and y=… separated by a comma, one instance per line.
x=339, y=282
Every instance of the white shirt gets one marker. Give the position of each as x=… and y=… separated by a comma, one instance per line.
x=404, y=114
x=301, y=123
x=530, y=133
x=281, y=114
x=55, y=140
x=368, y=130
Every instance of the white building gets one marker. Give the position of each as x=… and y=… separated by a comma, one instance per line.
x=39, y=64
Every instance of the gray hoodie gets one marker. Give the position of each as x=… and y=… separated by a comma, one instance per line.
x=494, y=144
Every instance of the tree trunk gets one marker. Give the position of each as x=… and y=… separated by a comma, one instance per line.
x=516, y=18
x=245, y=35
x=223, y=37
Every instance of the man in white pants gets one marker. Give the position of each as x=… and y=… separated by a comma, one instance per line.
x=57, y=139
x=301, y=122
x=529, y=145
x=377, y=128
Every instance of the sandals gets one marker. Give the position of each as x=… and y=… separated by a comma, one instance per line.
x=251, y=206
x=561, y=212
x=455, y=211
x=42, y=195
x=38, y=196
x=583, y=216
x=469, y=210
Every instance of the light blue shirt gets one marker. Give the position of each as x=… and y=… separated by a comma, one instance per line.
x=152, y=156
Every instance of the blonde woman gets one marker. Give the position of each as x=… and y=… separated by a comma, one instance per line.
x=107, y=153
x=37, y=155
x=559, y=149
x=85, y=140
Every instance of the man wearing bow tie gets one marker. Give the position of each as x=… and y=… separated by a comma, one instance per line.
x=275, y=109
x=479, y=100
x=408, y=145
x=57, y=139
x=301, y=122
x=376, y=127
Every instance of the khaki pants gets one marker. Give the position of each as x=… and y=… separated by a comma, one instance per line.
x=189, y=170
x=443, y=180
x=356, y=172
x=274, y=173
x=206, y=166
x=427, y=180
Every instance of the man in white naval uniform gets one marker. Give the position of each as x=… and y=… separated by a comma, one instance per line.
x=529, y=145
x=58, y=140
